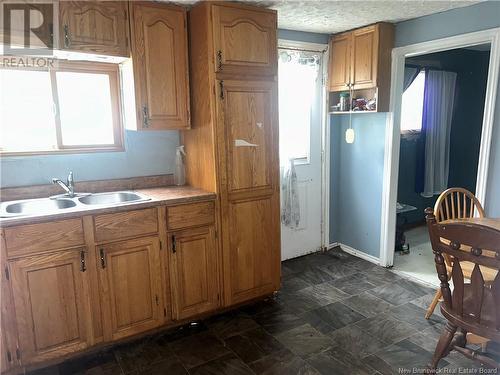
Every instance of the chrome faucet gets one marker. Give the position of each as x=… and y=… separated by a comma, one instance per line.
x=68, y=187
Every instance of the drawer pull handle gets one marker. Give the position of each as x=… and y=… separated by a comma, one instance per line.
x=67, y=37
x=103, y=259
x=82, y=261
x=173, y=244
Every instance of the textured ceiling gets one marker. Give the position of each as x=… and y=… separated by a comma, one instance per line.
x=332, y=16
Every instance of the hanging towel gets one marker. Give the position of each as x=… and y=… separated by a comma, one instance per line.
x=290, y=209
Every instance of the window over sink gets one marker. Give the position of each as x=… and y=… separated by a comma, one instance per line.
x=71, y=107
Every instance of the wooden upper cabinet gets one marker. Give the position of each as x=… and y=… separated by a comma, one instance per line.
x=160, y=63
x=130, y=286
x=249, y=116
x=340, y=62
x=52, y=304
x=361, y=58
x=194, y=278
x=244, y=40
x=364, y=57
x=99, y=27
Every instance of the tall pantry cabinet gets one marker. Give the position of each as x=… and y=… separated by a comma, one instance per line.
x=232, y=147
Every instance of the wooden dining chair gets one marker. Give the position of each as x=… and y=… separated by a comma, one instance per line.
x=472, y=307
x=454, y=203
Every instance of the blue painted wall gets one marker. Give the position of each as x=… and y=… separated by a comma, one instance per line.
x=146, y=154
x=300, y=36
x=356, y=172
x=363, y=231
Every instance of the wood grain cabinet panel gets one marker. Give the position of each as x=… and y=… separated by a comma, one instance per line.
x=244, y=40
x=364, y=57
x=94, y=26
x=37, y=238
x=253, y=251
x=130, y=286
x=52, y=304
x=340, y=62
x=194, y=278
x=248, y=116
x=190, y=215
x=160, y=63
x=109, y=227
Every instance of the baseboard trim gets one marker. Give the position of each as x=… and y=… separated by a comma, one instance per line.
x=350, y=250
x=332, y=245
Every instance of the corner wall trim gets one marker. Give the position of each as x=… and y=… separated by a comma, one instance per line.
x=355, y=252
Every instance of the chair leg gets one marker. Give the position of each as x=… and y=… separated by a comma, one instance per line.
x=432, y=306
x=460, y=338
x=443, y=345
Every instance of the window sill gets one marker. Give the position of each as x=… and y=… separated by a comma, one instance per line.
x=62, y=151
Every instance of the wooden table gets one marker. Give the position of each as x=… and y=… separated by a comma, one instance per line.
x=485, y=221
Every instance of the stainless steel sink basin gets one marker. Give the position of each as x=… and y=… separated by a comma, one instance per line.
x=112, y=198
x=38, y=206
x=47, y=206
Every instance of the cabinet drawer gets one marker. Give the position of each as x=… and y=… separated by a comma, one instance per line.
x=190, y=215
x=110, y=227
x=37, y=238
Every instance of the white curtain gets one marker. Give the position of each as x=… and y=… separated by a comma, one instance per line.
x=439, y=98
x=290, y=209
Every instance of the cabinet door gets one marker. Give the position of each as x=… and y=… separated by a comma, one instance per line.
x=193, y=263
x=250, y=196
x=364, y=57
x=250, y=131
x=253, y=252
x=340, y=61
x=160, y=61
x=130, y=286
x=244, y=40
x=51, y=299
x=98, y=27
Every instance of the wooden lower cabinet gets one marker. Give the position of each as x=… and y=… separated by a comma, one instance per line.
x=130, y=286
x=52, y=304
x=251, y=250
x=193, y=271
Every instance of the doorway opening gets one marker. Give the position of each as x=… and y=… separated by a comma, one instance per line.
x=301, y=122
x=441, y=126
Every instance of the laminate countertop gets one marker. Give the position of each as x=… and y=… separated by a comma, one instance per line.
x=169, y=195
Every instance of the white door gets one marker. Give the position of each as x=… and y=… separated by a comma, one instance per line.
x=300, y=76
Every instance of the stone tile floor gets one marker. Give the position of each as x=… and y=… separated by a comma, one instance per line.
x=335, y=314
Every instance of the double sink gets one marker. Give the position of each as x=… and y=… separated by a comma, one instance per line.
x=46, y=206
